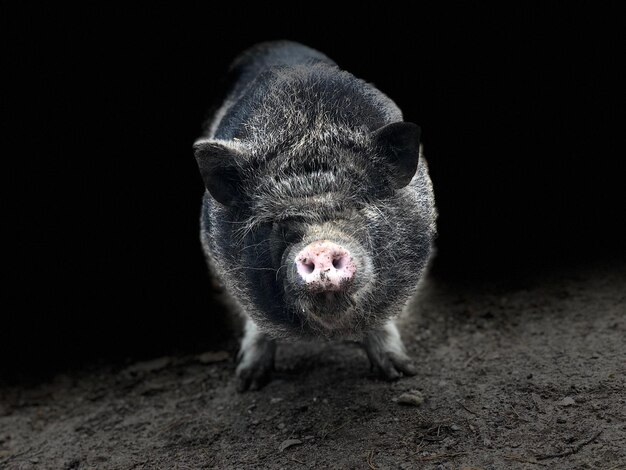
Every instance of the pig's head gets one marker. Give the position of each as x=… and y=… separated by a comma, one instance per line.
x=321, y=239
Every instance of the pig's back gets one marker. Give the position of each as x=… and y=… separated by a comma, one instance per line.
x=284, y=94
x=251, y=63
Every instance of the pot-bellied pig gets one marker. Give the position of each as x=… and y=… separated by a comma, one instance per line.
x=319, y=214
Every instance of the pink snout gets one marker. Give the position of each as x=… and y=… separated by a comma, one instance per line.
x=325, y=266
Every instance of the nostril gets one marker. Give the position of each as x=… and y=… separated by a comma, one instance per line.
x=339, y=262
x=307, y=265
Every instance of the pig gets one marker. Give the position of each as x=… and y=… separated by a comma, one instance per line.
x=318, y=217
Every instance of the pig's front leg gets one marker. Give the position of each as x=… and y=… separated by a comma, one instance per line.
x=386, y=352
x=256, y=359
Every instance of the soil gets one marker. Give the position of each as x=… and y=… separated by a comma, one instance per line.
x=513, y=375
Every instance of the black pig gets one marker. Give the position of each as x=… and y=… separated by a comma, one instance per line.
x=319, y=214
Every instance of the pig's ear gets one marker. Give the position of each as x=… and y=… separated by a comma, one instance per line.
x=219, y=168
x=400, y=142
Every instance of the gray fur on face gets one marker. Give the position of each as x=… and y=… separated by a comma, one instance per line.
x=302, y=151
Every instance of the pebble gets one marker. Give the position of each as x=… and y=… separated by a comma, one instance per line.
x=275, y=400
x=288, y=443
x=568, y=401
x=210, y=357
x=411, y=398
x=150, y=366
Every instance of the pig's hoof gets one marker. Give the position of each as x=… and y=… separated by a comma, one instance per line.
x=386, y=353
x=391, y=365
x=255, y=366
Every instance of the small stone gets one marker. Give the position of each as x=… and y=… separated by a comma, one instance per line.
x=210, y=357
x=568, y=401
x=288, y=443
x=308, y=438
x=455, y=427
x=150, y=366
x=411, y=398
x=275, y=400
x=281, y=425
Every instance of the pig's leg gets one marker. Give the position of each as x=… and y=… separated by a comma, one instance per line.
x=386, y=352
x=256, y=358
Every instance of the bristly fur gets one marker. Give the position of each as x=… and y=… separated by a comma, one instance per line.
x=309, y=169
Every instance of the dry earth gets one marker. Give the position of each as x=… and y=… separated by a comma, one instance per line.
x=514, y=375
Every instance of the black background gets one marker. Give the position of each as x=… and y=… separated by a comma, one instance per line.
x=520, y=107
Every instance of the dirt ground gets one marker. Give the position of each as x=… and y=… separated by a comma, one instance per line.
x=514, y=375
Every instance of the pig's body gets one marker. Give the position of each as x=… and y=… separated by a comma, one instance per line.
x=318, y=218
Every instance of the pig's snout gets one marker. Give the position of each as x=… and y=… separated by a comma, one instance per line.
x=325, y=266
